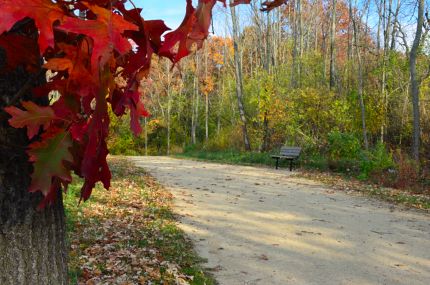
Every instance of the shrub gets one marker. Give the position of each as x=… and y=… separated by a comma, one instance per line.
x=343, y=146
x=345, y=165
x=313, y=161
x=407, y=171
x=228, y=138
x=377, y=161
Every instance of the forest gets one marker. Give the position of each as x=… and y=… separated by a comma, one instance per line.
x=98, y=100
x=348, y=81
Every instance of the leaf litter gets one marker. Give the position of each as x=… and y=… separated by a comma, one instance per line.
x=128, y=235
x=354, y=186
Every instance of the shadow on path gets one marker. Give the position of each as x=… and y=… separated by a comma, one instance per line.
x=262, y=226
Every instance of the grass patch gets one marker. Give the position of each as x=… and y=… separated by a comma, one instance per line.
x=230, y=157
x=128, y=235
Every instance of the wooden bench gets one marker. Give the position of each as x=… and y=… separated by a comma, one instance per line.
x=289, y=153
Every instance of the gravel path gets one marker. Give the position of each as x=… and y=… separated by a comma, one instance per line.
x=262, y=226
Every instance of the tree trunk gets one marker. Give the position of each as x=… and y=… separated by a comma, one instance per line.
x=168, y=91
x=146, y=136
x=394, y=31
x=206, y=117
x=32, y=243
x=360, y=76
x=206, y=96
x=415, y=87
x=195, y=107
x=239, y=79
x=266, y=134
x=332, y=45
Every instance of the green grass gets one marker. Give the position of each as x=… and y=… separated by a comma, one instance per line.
x=230, y=157
x=346, y=170
x=255, y=158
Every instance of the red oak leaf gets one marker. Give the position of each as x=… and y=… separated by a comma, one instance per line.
x=237, y=2
x=59, y=64
x=270, y=5
x=106, y=31
x=200, y=29
x=48, y=156
x=148, y=40
x=44, y=13
x=137, y=110
x=94, y=166
x=35, y=117
x=81, y=81
x=180, y=35
x=193, y=30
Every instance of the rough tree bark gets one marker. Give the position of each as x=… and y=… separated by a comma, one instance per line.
x=415, y=84
x=32, y=243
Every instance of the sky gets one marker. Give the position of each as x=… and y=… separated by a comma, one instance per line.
x=173, y=12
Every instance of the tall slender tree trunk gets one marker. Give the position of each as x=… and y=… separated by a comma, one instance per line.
x=206, y=117
x=295, y=74
x=386, y=20
x=32, y=243
x=206, y=97
x=195, y=104
x=415, y=84
x=239, y=78
x=360, y=76
x=332, y=46
x=146, y=135
x=169, y=103
x=395, y=30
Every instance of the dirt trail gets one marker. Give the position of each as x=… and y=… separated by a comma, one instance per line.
x=262, y=226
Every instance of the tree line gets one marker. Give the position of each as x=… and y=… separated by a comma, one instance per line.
x=303, y=74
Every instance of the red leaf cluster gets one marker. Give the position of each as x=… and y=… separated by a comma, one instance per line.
x=86, y=45
x=272, y=4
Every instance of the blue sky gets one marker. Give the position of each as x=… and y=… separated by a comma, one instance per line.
x=173, y=12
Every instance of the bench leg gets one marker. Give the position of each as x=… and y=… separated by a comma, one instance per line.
x=277, y=162
x=291, y=165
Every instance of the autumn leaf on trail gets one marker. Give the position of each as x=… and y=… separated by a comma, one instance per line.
x=106, y=31
x=48, y=157
x=35, y=117
x=43, y=12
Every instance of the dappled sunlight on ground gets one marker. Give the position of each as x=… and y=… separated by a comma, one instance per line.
x=264, y=226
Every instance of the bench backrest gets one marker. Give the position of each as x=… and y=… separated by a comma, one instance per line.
x=291, y=151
